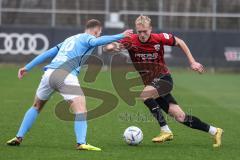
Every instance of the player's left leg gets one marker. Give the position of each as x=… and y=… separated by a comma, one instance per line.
x=43, y=93
x=195, y=123
x=27, y=122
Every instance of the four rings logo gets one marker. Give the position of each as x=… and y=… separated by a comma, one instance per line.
x=26, y=43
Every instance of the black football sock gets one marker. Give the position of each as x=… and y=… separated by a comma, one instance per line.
x=163, y=104
x=156, y=111
x=195, y=123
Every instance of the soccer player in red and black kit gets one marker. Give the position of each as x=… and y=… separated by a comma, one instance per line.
x=146, y=51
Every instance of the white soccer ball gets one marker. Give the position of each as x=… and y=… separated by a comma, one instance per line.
x=133, y=135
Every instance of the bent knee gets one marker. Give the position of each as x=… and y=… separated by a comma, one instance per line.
x=148, y=92
x=78, y=105
x=180, y=117
x=144, y=97
x=177, y=113
x=38, y=104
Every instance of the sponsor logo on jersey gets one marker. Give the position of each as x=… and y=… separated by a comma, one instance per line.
x=145, y=56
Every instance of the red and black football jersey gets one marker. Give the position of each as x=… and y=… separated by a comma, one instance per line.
x=148, y=57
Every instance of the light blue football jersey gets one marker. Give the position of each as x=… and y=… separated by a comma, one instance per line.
x=75, y=50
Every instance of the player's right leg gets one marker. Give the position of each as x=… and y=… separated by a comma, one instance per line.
x=148, y=96
x=71, y=91
x=44, y=91
x=78, y=105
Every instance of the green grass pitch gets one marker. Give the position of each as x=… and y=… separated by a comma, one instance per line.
x=215, y=98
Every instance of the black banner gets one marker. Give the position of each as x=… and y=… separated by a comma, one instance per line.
x=213, y=49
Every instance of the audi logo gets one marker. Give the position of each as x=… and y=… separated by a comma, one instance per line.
x=26, y=43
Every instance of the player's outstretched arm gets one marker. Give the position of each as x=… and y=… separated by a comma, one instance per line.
x=194, y=64
x=103, y=40
x=51, y=53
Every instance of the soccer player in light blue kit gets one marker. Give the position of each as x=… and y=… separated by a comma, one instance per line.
x=67, y=55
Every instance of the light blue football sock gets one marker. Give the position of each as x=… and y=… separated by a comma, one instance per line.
x=80, y=127
x=28, y=120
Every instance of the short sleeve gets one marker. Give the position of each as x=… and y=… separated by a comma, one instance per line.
x=167, y=39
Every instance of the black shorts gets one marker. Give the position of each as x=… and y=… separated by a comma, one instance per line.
x=164, y=86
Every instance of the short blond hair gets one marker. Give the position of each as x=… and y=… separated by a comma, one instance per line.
x=143, y=20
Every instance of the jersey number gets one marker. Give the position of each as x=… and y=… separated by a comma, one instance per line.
x=69, y=46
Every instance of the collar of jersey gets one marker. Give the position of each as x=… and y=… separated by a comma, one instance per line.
x=147, y=40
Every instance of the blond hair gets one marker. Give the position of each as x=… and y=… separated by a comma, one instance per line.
x=143, y=20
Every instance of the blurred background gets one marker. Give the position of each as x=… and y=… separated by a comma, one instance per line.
x=211, y=28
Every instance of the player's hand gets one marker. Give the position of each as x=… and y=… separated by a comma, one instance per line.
x=118, y=47
x=22, y=72
x=197, y=67
x=128, y=33
x=113, y=47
